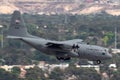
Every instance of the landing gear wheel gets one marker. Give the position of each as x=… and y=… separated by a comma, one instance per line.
x=67, y=58
x=59, y=58
x=98, y=61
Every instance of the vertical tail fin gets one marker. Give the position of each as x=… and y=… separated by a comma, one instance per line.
x=17, y=26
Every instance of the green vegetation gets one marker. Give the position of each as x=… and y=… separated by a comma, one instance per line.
x=35, y=73
x=4, y=75
x=16, y=71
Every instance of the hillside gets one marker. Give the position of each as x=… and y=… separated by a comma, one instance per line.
x=48, y=7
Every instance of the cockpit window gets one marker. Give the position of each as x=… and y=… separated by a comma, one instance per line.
x=103, y=53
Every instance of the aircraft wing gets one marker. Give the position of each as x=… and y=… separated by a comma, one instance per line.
x=63, y=45
x=59, y=46
x=74, y=41
x=54, y=45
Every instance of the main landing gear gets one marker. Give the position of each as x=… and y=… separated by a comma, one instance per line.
x=98, y=61
x=63, y=58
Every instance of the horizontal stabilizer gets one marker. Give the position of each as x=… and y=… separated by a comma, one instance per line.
x=14, y=37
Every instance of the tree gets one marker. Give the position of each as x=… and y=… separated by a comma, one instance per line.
x=4, y=75
x=105, y=40
x=35, y=74
x=83, y=73
x=116, y=75
x=57, y=74
x=15, y=70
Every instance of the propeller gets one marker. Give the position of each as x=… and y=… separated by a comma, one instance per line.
x=75, y=47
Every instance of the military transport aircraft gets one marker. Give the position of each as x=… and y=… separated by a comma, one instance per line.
x=63, y=50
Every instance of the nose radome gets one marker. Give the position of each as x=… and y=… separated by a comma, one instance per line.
x=109, y=56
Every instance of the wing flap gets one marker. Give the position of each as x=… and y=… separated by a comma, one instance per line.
x=54, y=45
x=58, y=46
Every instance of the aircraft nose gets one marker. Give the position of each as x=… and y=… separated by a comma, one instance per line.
x=109, y=56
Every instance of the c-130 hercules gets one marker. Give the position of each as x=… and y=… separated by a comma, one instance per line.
x=63, y=50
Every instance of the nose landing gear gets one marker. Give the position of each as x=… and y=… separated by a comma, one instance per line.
x=98, y=61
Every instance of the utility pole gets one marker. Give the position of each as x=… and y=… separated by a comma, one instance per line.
x=115, y=37
x=1, y=36
x=66, y=18
x=2, y=39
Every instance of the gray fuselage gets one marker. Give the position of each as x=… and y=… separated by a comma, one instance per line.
x=85, y=51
